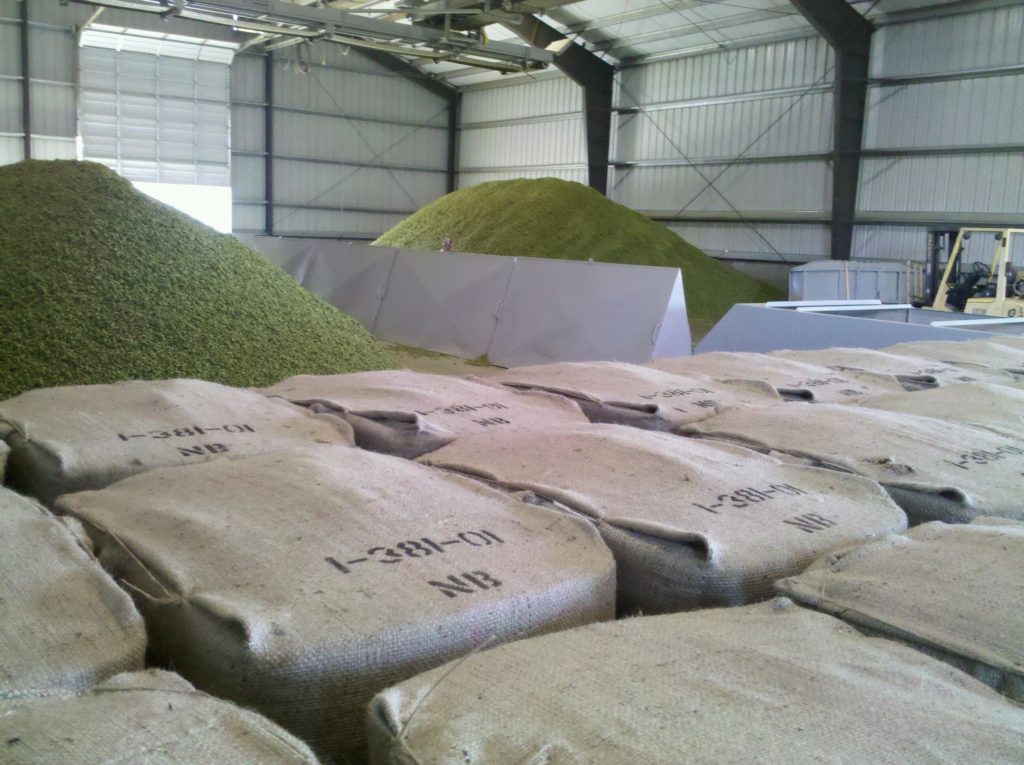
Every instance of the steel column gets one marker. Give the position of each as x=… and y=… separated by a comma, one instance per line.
x=268, y=140
x=849, y=34
x=591, y=73
x=453, y=142
x=26, y=111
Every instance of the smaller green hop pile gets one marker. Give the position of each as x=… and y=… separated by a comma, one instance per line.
x=552, y=218
x=99, y=282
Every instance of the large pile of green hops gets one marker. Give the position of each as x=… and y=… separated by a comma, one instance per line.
x=552, y=218
x=99, y=282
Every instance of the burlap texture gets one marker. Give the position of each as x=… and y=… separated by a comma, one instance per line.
x=627, y=394
x=953, y=591
x=792, y=379
x=771, y=683
x=88, y=436
x=981, y=352
x=996, y=407
x=143, y=718
x=302, y=583
x=913, y=372
x=691, y=524
x=409, y=413
x=64, y=624
x=935, y=470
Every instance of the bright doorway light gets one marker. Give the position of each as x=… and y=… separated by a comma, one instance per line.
x=207, y=204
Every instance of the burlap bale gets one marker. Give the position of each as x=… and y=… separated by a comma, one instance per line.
x=143, y=718
x=409, y=413
x=770, y=683
x=913, y=372
x=935, y=470
x=88, y=436
x=952, y=591
x=980, y=352
x=64, y=624
x=691, y=524
x=304, y=582
x=792, y=379
x=995, y=407
x=627, y=394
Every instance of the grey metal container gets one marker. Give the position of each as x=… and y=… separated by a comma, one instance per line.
x=888, y=281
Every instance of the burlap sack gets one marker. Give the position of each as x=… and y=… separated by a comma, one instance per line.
x=626, y=394
x=792, y=379
x=771, y=683
x=952, y=591
x=913, y=372
x=143, y=718
x=935, y=470
x=64, y=624
x=980, y=352
x=88, y=436
x=995, y=407
x=302, y=583
x=691, y=524
x=409, y=413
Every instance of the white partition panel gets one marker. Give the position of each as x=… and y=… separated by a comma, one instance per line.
x=444, y=301
x=564, y=310
x=516, y=310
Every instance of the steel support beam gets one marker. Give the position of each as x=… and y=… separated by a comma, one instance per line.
x=26, y=85
x=268, y=139
x=849, y=34
x=591, y=73
x=453, y=142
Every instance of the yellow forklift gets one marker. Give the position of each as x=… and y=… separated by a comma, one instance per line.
x=994, y=289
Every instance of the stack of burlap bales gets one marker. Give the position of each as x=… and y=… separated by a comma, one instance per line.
x=284, y=553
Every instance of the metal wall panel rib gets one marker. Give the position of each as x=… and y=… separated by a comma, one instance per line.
x=974, y=112
x=954, y=43
x=577, y=174
x=775, y=187
x=319, y=137
x=305, y=183
x=529, y=99
x=793, y=241
x=558, y=142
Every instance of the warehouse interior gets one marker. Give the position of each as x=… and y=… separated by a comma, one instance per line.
x=511, y=382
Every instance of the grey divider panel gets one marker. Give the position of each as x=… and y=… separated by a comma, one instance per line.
x=996, y=407
x=792, y=379
x=143, y=718
x=771, y=683
x=290, y=254
x=992, y=355
x=912, y=371
x=88, y=436
x=64, y=624
x=446, y=302
x=558, y=310
x=953, y=591
x=628, y=394
x=691, y=524
x=759, y=328
x=409, y=413
x=301, y=583
x=351, y=277
x=935, y=470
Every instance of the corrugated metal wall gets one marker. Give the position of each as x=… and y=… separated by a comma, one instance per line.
x=51, y=84
x=356, y=148
x=944, y=137
x=529, y=129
